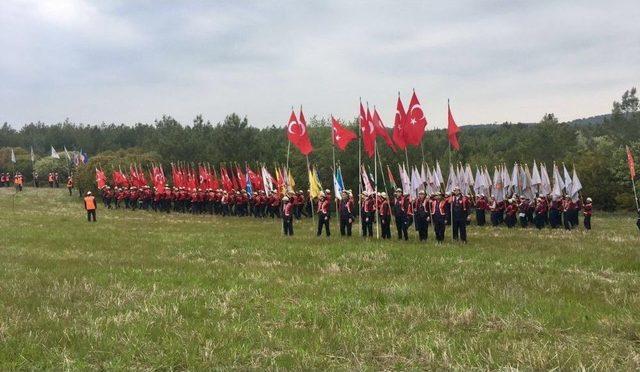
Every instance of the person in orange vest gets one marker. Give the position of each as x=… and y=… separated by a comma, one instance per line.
x=70, y=185
x=90, y=206
x=17, y=181
x=50, y=179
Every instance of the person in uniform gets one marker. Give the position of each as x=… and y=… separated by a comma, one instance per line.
x=437, y=209
x=481, y=208
x=540, y=213
x=459, y=215
x=523, y=208
x=70, y=185
x=587, y=211
x=510, y=213
x=36, y=182
x=384, y=213
x=90, y=206
x=50, y=179
x=401, y=209
x=368, y=211
x=323, y=214
x=555, y=213
x=568, y=209
x=345, y=211
x=287, y=216
x=421, y=216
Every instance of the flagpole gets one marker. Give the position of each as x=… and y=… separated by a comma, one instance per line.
x=313, y=217
x=289, y=146
x=384, y=182
x=333, y=150
x=635, y=195
x=632, y=173
x=360, y=174
x=375, y=180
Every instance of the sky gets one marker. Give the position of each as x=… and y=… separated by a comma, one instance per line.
x=134, y=61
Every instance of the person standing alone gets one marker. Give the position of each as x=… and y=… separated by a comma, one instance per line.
x=90, y=206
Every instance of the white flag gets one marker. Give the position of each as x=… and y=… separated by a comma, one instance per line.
x=568, y=183
x=528, y=189
x=452, y=180
x=545, y=184
x=13, y=156
x=498, y=184
x=406, y=182
x=506, y=181
x=558, y=185
x=54, y=154
x=478, y=187
x=576, y=186
x=267, y=181
x=69, y=156
x=416, y=182
x=33, y=157
x=440, y=179
x=535, y=178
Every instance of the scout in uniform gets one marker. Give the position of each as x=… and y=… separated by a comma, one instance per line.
x=323, y=214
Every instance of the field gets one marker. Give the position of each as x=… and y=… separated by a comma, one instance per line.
x=149, y=291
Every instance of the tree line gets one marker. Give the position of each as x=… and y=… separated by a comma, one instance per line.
x=596, y=150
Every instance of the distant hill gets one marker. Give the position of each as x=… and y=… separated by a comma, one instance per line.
x=592, y=120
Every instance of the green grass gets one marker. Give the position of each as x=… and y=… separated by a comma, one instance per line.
x=149, y=291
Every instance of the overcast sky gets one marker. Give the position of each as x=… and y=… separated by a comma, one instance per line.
x=133, y=61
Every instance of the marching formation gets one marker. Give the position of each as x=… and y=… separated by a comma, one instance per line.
x=517, y=198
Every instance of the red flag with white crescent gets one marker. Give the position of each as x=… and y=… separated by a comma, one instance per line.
x=341, y=135
x=415, y=122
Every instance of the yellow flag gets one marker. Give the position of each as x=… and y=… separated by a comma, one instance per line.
x=291, y=181
x=315, y=188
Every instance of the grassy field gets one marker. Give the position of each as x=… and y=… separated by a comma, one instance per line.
x=148, y=291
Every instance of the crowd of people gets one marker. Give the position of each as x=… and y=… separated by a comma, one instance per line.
x=53, y=179
x=424, y=212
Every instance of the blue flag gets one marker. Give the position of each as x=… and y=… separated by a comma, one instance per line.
x=249, y=187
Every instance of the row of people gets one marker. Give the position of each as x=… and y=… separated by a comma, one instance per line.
x=220, y=202
x=442, y=210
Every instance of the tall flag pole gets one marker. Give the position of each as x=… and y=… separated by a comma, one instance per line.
x=375, y=173
x=333, y=151
x=362, y=118
x=632, y=173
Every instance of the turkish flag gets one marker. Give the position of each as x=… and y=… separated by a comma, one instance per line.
x=632, y=164
x=398, y=126
x=452, y=131
x=415, y=122
x=368, y=131
x=297, y=133
x=381, y=130
x=341, y=135
x=158, y=178
x=101, y=179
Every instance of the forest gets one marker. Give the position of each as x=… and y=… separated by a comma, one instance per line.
x=596, y=148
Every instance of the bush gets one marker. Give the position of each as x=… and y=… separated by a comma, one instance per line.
x=48, y=165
